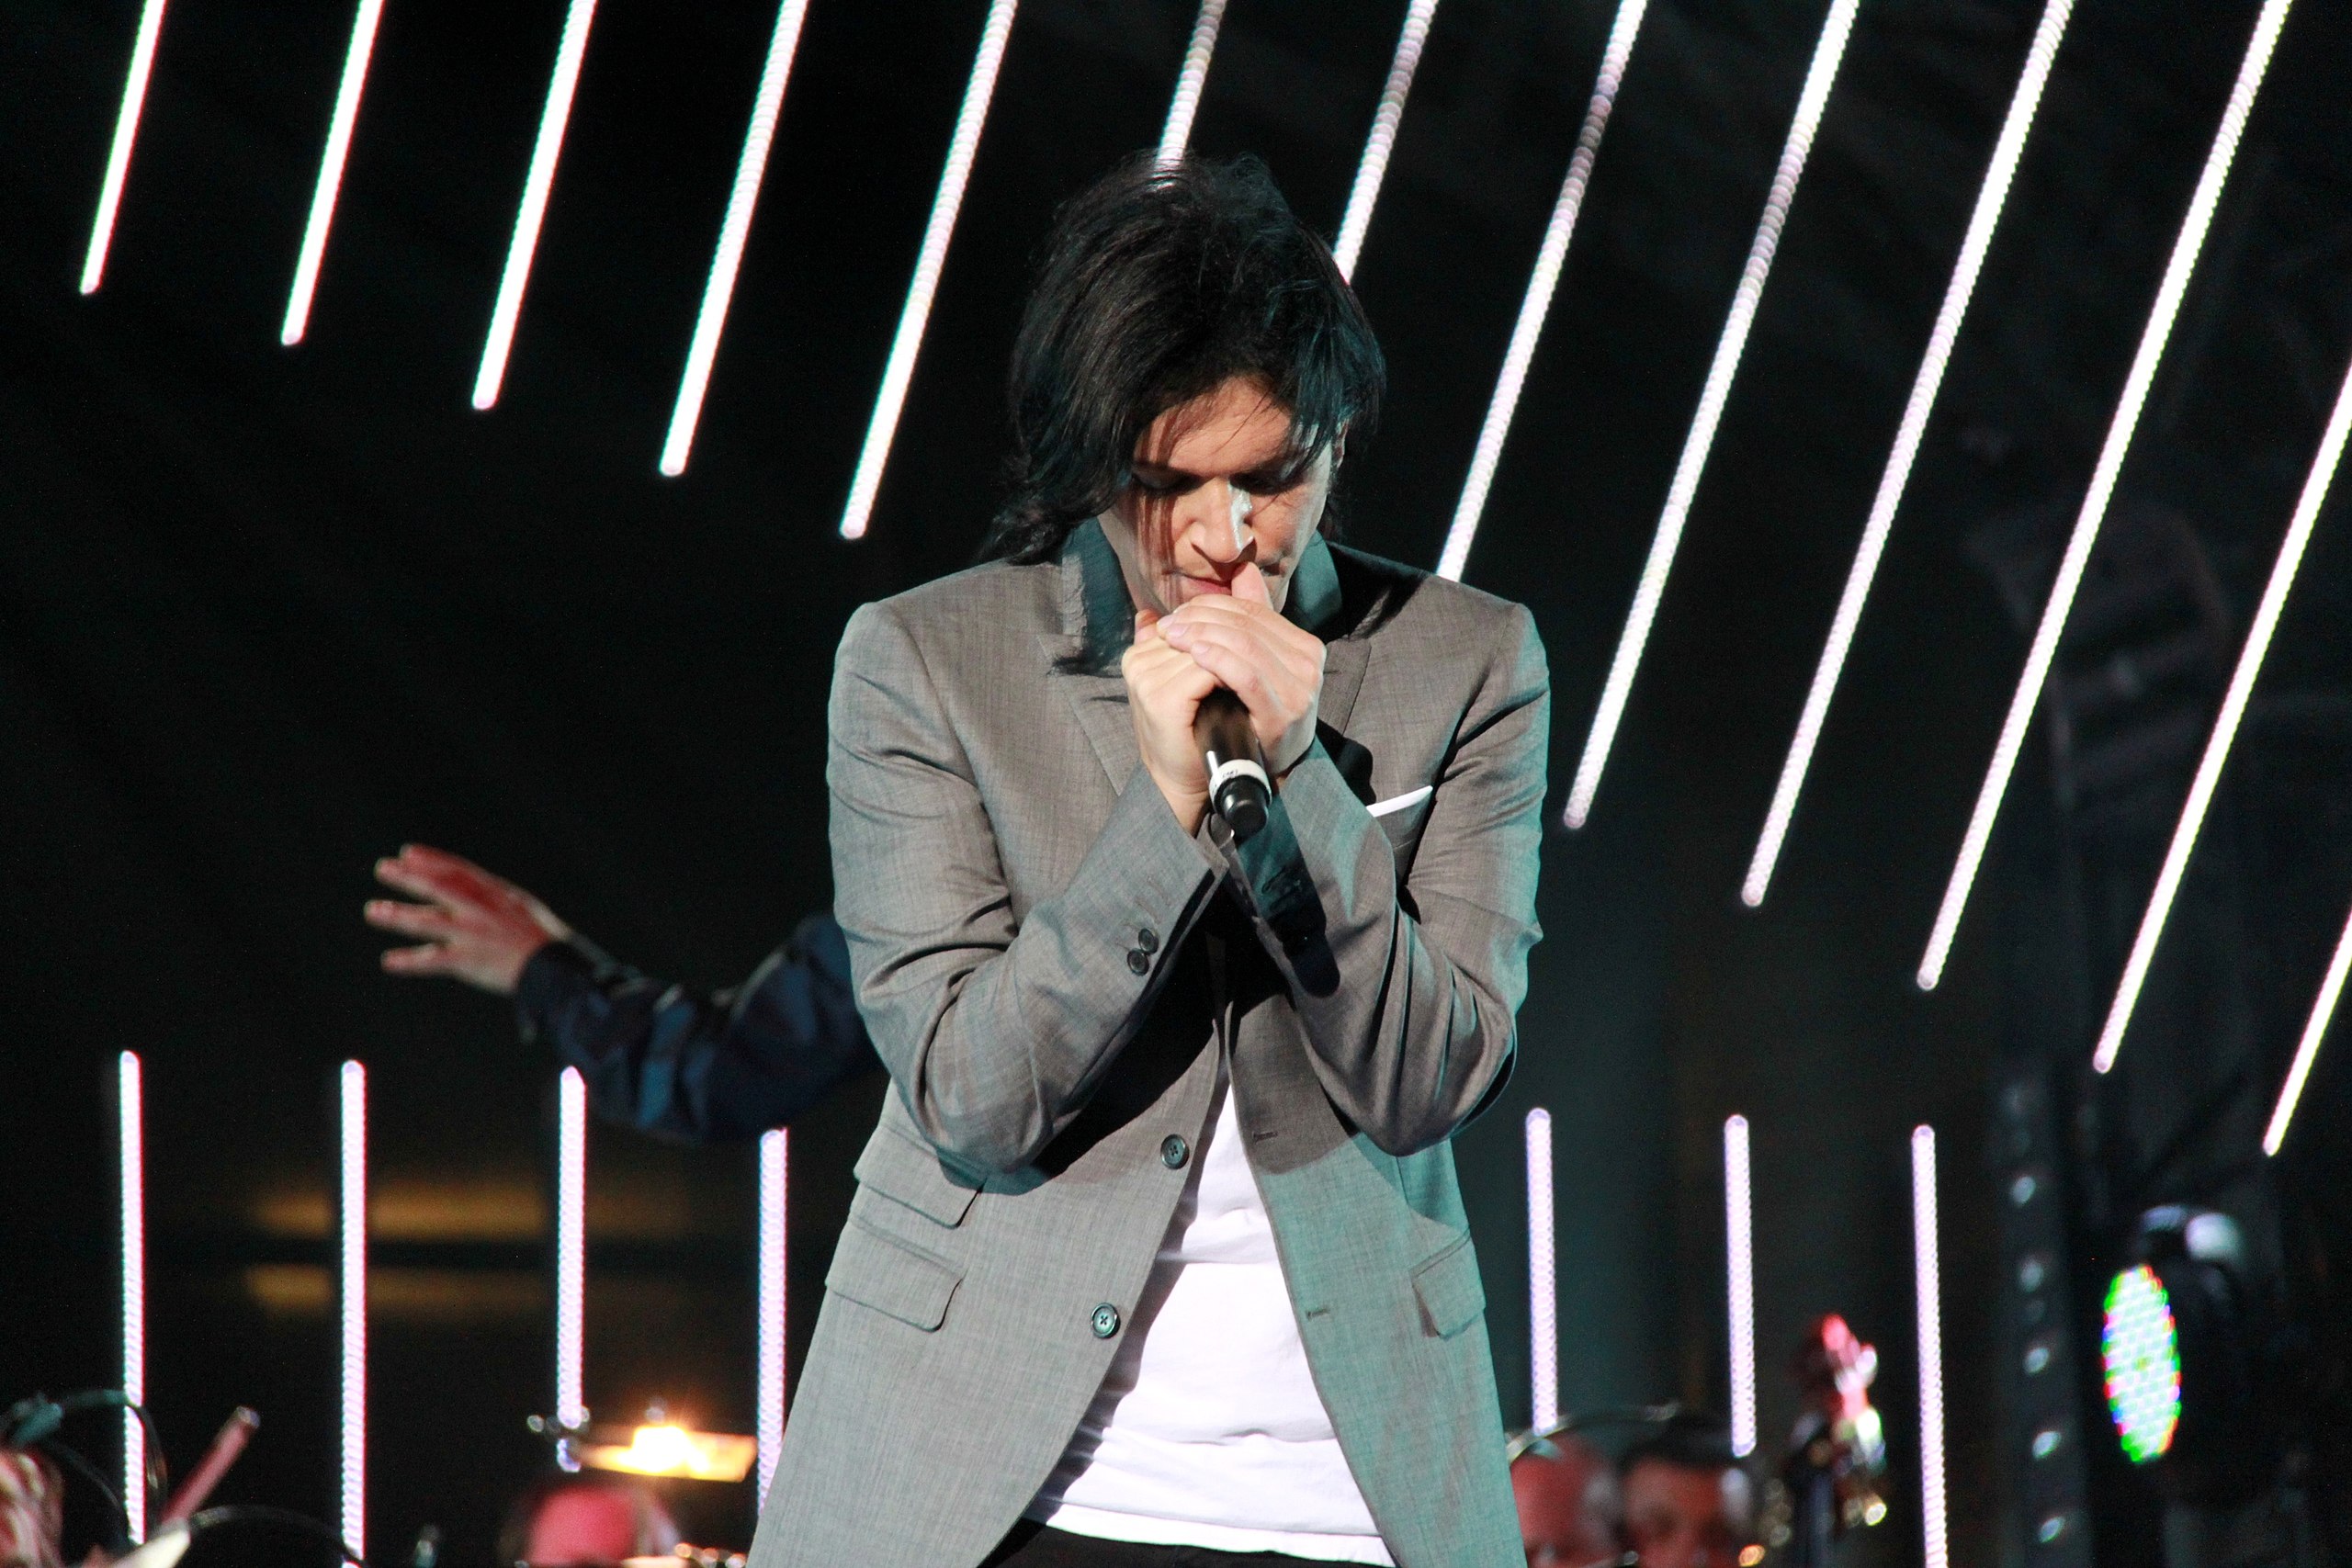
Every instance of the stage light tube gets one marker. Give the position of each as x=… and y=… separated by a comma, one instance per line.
x=1739, y=1256
x=774, y=1216
x=346, y=113
x=132, y=1187
x=2306, y=1050
x=1926, y=1283
x=907, y=340
x=1374, y=167
x=353, y=1254
x=2144, y=362
x=536, y=185
x=571, y=1247
x=1819, y=78
x=1542, y=1279
x=126, y=131
x=1982, y=224
x=1541, y=284
x=2225, y=726
x=1202, y=48
x=718, y=291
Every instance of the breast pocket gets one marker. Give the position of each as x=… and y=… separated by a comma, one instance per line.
x=1401, y=818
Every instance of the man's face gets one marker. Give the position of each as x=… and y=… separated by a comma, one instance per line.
x=1214, y=487
x=1558, y=1524
x=1685, y=1517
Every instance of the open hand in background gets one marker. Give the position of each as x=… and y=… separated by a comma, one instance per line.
x=474, y=926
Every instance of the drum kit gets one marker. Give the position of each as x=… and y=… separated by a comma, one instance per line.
x=36, y=1425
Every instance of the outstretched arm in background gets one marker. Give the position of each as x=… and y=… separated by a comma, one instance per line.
x=656, y=1056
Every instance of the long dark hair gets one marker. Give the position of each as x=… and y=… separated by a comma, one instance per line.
x=1160, y=283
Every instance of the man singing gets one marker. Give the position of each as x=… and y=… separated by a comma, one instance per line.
x=1157, y=1255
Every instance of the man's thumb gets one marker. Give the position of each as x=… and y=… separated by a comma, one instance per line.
x=1249, y=584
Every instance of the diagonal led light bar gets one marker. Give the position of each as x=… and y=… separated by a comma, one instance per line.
x=719, y=290
x=346, y=112
x=1990, y=196
x=1926, y=1272
x=907, y=342
x=571, y=1250
x=536, y=185
x=1739, y=1254
x=775, y=1162
x=131, y=1146
x=1542, y=1279
x=2225, y=726
x=126, y=131
x=1819, y=78
x=1540, y=284
x=2274, y=1137
x=353, y=1257
x=2185, y=245
x=1178, y=133
x=1383, y=139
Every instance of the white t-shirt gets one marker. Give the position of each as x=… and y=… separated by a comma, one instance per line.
x=1207, y=1430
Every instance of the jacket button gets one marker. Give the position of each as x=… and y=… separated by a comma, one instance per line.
x=1174, y=1151
x=1138, y=961
x=1149, y=940
x=1106, y=1321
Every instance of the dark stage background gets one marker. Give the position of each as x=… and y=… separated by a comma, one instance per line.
x=266, y=613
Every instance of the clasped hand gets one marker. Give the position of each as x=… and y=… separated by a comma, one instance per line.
x=1238, y=641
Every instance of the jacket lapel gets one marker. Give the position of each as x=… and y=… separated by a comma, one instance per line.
x=1316, y=603
x=1097, y=625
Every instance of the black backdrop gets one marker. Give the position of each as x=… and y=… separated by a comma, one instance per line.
x=269, y=614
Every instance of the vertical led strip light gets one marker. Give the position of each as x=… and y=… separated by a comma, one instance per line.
x=126, y=131
x=2225, y=726
x=1990, y=196
x=719, y=290
x=1926, y=1283
x=535, y=185
x=2274, y=1137
x=132, y=1144
x=1541, y=283
x=775, y=1162
x=1819, y=78
x=907, y=340
x=346, y=113
x=1542, y=1279
x=1198, y=51
x=1365, y=192
x=353, y=1246
x=1739, y=1256
x=570, y=1248
x=2185, y=245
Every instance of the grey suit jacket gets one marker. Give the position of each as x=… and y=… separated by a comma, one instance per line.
x=1049, y=966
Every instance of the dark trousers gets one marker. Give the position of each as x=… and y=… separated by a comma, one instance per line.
x=1032, y=1545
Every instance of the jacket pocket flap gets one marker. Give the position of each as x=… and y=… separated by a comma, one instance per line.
x=885, y=1273
x=906, y=1172
x=1451, y=1297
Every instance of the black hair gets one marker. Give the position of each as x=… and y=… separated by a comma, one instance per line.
x=1689, y=1439
x=1158, y=284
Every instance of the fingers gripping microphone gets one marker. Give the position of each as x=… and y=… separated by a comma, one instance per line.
x=1239, y=790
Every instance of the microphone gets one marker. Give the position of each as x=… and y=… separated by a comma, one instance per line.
x=1239, y=790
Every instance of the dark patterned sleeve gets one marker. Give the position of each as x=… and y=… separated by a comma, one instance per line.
x=701, y=1069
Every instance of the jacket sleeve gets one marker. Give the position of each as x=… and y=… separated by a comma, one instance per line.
x=995, y=1033
x=1409, y=994
x=701, y=1069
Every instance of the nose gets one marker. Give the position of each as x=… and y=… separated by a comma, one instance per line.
x=1220, y=529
